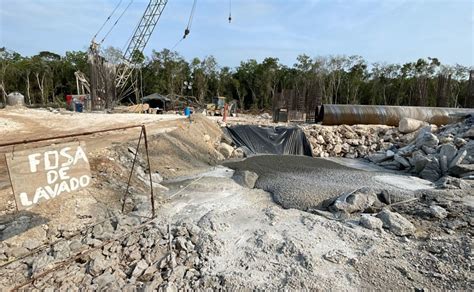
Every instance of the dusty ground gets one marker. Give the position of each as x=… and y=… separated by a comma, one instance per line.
x=240, y=237
x=259, y=245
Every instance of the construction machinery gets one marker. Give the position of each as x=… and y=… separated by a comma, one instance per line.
x=110, y=83
x=219, y=105
x=137, y=44
x=216, y=108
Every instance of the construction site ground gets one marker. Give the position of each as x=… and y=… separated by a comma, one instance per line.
x=209, y=231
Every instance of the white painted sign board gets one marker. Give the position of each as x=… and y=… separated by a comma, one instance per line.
x=41, y=174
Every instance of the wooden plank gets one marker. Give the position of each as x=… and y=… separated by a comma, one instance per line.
x=41, y=174
x=138, y=108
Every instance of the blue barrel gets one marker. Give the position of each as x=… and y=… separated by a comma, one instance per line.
x=79, y=107
x=187, y=111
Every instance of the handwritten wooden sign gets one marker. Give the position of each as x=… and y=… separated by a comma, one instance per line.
x=42, y=174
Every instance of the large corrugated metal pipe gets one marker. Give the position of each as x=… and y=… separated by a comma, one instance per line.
x=338, y=114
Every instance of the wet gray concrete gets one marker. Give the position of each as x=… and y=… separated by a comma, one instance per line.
x=304, y=182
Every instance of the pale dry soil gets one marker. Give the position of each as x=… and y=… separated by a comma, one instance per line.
x=92, y=204
x=257, y=244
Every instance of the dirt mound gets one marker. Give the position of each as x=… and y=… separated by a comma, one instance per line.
x=187, y=150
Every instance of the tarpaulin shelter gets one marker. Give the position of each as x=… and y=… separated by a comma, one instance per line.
x=156, y=100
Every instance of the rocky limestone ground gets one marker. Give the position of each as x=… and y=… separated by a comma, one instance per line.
x=214, y=230
x=413, y=147
x=347, y=141
x=123, y=253
x=434, y=153
x=214, y=233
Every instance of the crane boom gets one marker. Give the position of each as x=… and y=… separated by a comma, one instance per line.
x=138, y=42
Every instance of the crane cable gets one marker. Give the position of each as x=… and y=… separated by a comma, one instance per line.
x=118, y=19
x=230, y=11
x=188, y=27
x=190, y=21
x=177, y=43
x=107, y=20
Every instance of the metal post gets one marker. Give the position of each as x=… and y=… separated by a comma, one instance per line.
x=77, y=84
x=152, y=196
x=11, y=182
x=131, y=171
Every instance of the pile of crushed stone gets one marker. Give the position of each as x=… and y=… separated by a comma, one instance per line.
x=305, y=183
x=123, y=253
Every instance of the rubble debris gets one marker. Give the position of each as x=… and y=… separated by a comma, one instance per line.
x=431, y=153
x=348, y=141
x=265, y=116
x=304, y=183
x=449, y=182
x=408, y=125
x=143, y=259
x=438, y=212
x=225, y=149
x=462, y=170
x=245, y=241
x=245, y=178
x=426, y=139
x=355, y=201
x=469, y=134
x=371, y=222
x=396, y=223
x=335, y=256
x=351, y=114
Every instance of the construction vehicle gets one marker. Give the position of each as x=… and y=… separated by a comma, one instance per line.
x=218, y=106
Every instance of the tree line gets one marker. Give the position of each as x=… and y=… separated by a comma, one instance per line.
x=47, y=77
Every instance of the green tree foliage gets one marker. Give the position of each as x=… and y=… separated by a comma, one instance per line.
x=47, y=77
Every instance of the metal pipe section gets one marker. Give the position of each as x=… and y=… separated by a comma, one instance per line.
x=338, y=114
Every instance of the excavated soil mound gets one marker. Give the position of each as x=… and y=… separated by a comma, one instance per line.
x=189, y=149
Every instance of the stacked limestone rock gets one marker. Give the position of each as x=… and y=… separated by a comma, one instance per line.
x=430, y=152
x=347, y=141
x=154, y=257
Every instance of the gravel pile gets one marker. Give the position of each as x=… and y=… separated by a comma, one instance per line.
x=304, y=183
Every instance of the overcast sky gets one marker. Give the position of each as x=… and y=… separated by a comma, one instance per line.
x=380, y=31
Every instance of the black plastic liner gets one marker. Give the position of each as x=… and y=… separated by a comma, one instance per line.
x=270, y=140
